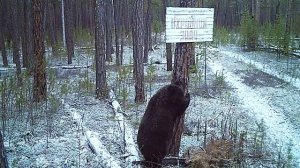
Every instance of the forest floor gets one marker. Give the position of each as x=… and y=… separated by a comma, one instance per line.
x=245, y=92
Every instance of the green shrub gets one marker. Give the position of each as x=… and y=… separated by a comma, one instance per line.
x=249, y=31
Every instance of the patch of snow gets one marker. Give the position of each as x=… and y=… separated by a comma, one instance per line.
x=277, y=127
x=295, y=81
x=130, y=145
x=106, y=159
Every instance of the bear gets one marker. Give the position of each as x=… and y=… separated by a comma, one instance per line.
x=156, y=127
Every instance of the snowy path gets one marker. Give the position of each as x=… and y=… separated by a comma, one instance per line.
x=278, y=128
x=263, y=67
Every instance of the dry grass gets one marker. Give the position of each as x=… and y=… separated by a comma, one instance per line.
x=217, y=154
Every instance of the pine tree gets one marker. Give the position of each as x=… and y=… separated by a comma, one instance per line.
x=40, y=85
x=101, y=86
x=183, y=53
x=138, y=41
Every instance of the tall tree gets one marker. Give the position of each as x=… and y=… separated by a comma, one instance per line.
x=3, y=160
x=101, y=88
x=169, y=56
x=16, y=38
x=25, y=10
x=147, y=39
x=181, y=75
x=63, y=22
x=51, y=26
x=118, y=29
x=287, y=28
x=68, y=8
x=138, y=41
x=40, y=86
x=2, y=41
x=28, y=60
x=257, y=11
x=108, y=29
x=124, y=16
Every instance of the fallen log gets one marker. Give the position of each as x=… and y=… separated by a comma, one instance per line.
x=100, y=150
x=95, y=144
x=127, y=131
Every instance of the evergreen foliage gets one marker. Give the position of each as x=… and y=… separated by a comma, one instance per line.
x=249, y=31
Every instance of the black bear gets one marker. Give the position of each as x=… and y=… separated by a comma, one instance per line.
x=156, y=127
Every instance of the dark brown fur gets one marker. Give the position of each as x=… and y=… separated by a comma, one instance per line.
x=156, y=127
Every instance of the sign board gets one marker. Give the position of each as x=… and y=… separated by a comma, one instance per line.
x=189, y=24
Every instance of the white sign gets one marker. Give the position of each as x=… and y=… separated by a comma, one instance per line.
x=189, y=24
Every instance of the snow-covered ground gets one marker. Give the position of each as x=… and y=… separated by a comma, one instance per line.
x=258, y=101
x=256, y=86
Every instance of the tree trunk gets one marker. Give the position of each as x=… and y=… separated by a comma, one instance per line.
x=40, y=86
x=16, y=39
x=63, y=22
x=3, y=160
x=252, y=8
x=168, y=45
x=169, y=56
x=193, y=60
x=108, y=29
x=24, y=22
x=181, y=74
x=69, y=29
x=2, y=41
x=30, y=61
x=257, y=11
x=3, y=48
x=147, y=31
x=51, y=27
x=138, y=42
x=118, y=26
x=286, y=46
x=101, y=87
x=123, y=12
x=122, y=40
x=127, y=15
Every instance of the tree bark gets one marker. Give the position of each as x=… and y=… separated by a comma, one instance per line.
x=138, y=42
x=181, y=74
x=257, y=11
x=168, y=45
x=63, y=22
x=3, y=160
x=101, y=86
x=16, y=39
x=30, y=61
x=51, y=28
x=147, y=31
x=124, y=19
x=69, y=29
x=118, y=27
x=24, y=10
x=40, y=86
x=108, y=29
x=2, y=41
x=169, y=56
x=286, y=46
